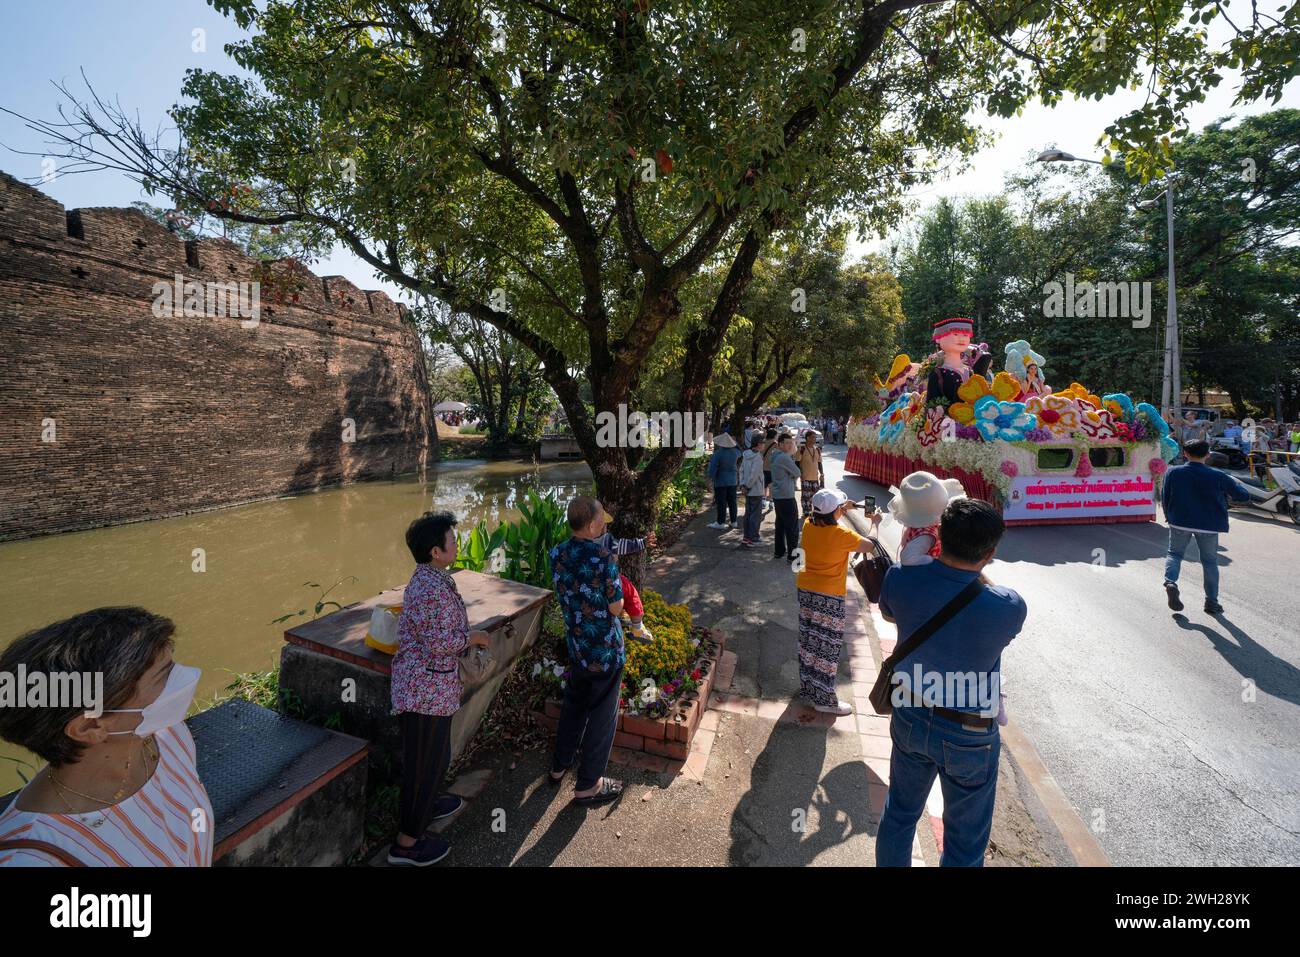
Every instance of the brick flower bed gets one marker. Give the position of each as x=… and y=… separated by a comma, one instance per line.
x=669, y=736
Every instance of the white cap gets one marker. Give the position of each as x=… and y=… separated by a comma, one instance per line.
x=827, y=500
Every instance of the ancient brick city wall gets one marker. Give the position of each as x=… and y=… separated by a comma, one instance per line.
x=161, y=416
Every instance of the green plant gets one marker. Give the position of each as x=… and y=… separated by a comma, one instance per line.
x=321, y=602
x=519, y=551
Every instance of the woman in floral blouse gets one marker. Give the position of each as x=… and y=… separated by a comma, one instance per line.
x=432, y=632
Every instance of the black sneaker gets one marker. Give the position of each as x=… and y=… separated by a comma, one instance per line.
x=1213, y=608
x=447, y=805
x=427, y=850
x=1171, y=593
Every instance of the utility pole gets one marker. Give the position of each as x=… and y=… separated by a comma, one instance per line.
x=1173, y=367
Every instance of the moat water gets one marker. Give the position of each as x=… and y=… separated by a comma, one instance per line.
x=257, y=559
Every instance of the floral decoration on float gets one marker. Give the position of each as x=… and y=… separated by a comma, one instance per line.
x=1042, y=455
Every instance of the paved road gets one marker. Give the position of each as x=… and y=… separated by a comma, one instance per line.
x=1176, y=736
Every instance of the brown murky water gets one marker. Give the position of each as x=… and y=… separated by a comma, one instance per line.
x=258, y=557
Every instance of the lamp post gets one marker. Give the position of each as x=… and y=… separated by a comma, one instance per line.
x=1171, y=387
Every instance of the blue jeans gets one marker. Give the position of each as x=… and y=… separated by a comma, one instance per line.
x=1207, y=543
x=967, y=765
x=753, y=516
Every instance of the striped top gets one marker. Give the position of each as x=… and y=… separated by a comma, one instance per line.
x=151, y=828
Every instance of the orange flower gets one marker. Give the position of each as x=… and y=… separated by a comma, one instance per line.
x=1078, y=390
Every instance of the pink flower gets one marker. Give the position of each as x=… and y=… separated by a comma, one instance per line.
x=1085, y=466
x=1009, y=468
x=1157, y=466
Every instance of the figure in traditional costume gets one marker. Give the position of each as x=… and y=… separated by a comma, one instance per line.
x=1026, y=366
x=953, y=337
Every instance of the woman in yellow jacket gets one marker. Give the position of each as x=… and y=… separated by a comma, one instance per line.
x=826, y=549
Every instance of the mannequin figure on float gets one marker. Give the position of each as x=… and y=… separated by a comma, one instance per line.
x=953, y=337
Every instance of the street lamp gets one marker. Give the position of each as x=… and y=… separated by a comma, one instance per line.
x=1171, y=385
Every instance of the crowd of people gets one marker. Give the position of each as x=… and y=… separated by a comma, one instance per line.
x=121, y=787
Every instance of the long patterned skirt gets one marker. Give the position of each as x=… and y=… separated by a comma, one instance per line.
x=808, y=487
x=821, y=636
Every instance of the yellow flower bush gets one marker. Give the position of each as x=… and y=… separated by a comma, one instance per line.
x=670, y=652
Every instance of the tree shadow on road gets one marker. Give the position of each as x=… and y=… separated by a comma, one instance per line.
x=1272, y=675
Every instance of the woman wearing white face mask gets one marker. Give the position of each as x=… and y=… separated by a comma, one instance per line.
x=121, y=788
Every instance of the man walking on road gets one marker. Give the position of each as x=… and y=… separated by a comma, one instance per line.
x=1195, y=501
x=946, y=692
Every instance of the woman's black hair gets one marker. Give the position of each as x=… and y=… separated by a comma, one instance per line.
x=819, y=519
x=428, y=532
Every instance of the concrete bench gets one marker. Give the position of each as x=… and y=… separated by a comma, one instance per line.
x=328, y=671
x=283, y=792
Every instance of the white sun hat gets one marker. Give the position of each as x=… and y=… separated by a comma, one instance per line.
x=919, y=500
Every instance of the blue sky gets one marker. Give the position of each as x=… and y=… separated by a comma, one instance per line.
x=138, y=51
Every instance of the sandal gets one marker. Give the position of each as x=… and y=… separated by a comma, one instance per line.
x=610, y=790
x=552, y=780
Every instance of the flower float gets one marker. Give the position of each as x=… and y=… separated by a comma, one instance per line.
x=1057, y=413
x=894, y=418
x=1007, y=421
x=1004, y=388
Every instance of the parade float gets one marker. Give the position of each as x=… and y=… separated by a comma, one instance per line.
x=1043, y=456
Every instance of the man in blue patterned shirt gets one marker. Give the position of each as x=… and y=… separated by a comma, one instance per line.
x=591, y=597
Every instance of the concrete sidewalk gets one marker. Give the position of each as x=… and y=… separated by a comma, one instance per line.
x=769, y=782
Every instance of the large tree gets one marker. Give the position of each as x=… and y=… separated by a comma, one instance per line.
x=807, y=309
x=599, y=155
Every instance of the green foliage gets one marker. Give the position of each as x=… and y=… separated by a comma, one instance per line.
x=519, y=551
x=263, y=688
x=806, y=309
x=686, y=489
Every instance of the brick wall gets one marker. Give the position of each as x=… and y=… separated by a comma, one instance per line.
x=160, y=416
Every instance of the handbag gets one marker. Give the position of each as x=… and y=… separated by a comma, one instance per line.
x=476, y=662
x=870, y=570
x=881, y=696
x=53, y=850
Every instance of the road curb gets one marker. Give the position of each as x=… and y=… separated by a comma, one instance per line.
x=1079, y=840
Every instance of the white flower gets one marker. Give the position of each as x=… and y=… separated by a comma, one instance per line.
x=649, y=693
x=563, y=685
x=695, y=642
x=537, y=669
x=558, y=671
